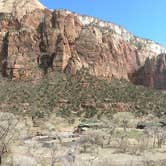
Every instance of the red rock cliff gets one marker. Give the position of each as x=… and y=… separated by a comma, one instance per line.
x=63, y=41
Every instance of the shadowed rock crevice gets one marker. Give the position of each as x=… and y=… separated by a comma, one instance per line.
x=45, y=61
x=4, y=55
x=43, y=45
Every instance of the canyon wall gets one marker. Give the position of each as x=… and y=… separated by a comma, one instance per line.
x=42, y=41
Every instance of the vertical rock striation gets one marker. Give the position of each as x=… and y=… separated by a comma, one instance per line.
x=64, y=41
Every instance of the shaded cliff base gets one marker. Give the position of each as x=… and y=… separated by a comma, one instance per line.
x=152, y=74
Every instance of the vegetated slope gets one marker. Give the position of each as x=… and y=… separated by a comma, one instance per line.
x=79, y=95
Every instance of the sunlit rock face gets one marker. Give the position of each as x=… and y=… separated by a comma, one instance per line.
x=42, y=39
x=19, y=7
x=127, y=36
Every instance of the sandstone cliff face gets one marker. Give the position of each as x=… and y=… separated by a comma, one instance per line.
x=63, y=41
x=153, y=73
x=19, y=8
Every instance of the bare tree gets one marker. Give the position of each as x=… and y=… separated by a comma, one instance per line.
x=67, y=159
x=123, y=119
x=7, y=126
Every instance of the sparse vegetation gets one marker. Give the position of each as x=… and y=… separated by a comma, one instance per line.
x=7, y=132
x=79, y=95
x=123, y=119
x=110, y=110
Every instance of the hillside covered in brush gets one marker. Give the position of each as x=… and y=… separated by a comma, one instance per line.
x=79, y=95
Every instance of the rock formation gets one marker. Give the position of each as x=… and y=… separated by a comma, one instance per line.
x=63, y=41
x=153, y=73
x=19, y=8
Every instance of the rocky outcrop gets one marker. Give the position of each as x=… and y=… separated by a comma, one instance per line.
x=19, y=8
x=153, y=73
x=67, y=42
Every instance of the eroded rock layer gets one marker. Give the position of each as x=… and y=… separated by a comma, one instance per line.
x=63, y=41
x=153, y=73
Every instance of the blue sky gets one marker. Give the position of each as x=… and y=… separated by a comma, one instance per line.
x=144, y=18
